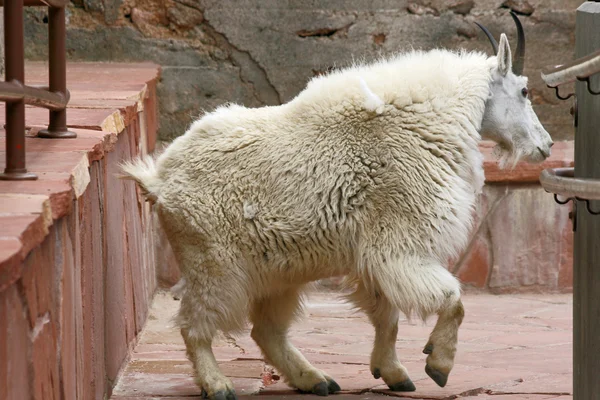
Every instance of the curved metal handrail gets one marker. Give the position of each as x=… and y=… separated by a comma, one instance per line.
x=578, y=69
x=562, y=182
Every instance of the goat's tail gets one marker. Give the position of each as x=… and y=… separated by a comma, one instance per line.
x=143, y=171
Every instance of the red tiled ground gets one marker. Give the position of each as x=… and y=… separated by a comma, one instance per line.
x=511, y=347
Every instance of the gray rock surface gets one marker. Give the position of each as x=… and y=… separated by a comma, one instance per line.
x=263, y=52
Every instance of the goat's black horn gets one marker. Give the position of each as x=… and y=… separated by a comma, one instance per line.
x=519, y=59
x=490, y=36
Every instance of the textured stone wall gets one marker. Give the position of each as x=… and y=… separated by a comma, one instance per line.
x=257, y=52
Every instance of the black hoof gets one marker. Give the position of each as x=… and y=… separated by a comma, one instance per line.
x=438, y=377
x=406, y=386
x=321, y=389
x=332, y=386
x=220, y=395
x=428, y=348
x=376, y=373
x=231, y=395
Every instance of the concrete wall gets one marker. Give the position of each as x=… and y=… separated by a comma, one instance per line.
x=257, y=52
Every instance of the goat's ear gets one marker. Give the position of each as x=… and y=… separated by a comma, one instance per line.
x=504, y=56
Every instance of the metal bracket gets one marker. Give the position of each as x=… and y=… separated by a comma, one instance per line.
x=587, y=84
x=572, y=213
x=587, y=206
x=557, y=93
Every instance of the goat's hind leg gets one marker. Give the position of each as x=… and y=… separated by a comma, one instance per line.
x=272, y=318
x=209, y=377
x=206, y=308
x=384, y=360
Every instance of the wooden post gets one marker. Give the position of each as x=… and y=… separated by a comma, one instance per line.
x=586, y=262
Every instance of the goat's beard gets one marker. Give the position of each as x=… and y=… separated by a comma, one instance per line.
x=507, y=157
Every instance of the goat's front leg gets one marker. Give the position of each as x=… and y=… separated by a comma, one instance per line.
x=384, y=361
x=441, y=347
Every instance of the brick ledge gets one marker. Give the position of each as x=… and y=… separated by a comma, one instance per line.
x=105, y=99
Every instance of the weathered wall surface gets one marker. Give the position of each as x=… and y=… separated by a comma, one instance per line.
x=67, y=324
x=257, y=52
x=77, y=261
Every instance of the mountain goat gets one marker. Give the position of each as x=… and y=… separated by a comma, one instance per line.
x=370, y=172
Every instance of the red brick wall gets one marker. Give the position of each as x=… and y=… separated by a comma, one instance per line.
x=522, y=241
x=67, y=324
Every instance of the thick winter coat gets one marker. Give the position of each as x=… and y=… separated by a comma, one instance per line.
x=370, y=172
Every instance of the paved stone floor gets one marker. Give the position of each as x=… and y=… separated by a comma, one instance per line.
x=511, y=347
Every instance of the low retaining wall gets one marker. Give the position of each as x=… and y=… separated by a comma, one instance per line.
x=77, y=262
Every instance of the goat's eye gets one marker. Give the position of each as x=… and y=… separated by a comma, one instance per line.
x=524, y=92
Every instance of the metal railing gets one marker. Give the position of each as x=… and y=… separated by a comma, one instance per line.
x=16, y=94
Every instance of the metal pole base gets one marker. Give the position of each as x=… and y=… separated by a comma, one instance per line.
x=18, y=176
x=52, y=134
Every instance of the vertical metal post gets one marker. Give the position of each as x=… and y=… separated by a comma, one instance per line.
x=586, y=258
x=57, y=55
x=2, y=43
x=15, y=111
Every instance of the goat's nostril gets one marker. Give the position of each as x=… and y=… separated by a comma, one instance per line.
x=551, y=144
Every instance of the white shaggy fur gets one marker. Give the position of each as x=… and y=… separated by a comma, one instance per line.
x=371, y=172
